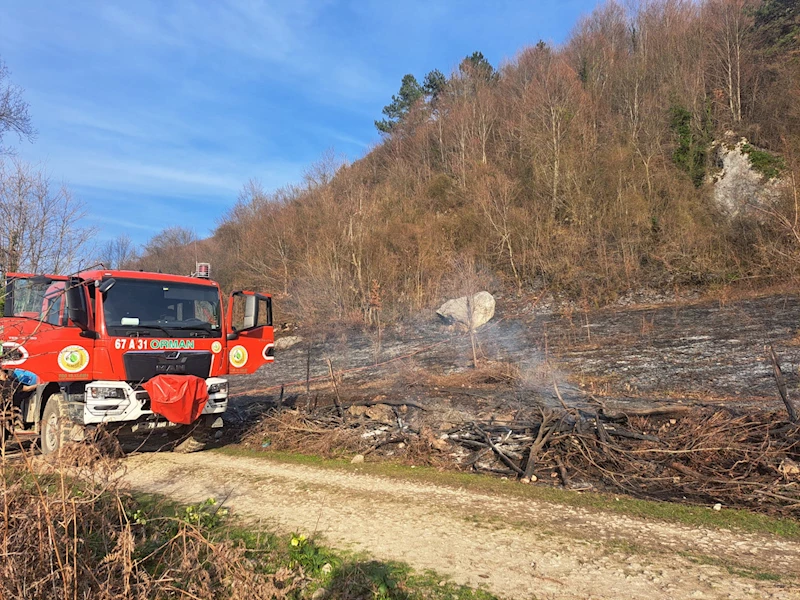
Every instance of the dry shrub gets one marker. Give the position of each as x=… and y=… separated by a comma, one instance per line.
x=291, y=431
x=68, y=531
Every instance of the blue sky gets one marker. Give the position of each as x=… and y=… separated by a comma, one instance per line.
x=156, y=112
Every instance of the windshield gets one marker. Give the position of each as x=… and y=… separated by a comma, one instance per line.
x=135, y=307
x=39, y=298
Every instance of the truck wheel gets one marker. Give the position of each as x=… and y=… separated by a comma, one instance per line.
x=54, y=429
x=194, y=442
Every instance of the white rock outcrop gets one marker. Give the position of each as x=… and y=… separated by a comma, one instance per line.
x=738, y=188
x=457, y=310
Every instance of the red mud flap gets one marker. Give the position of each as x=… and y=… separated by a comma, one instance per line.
x=178, y=398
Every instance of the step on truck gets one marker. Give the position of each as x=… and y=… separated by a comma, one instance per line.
x=136, y=352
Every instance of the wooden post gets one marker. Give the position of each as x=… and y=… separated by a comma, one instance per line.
x=776, y=369
x=308, y=368
x=336, y=399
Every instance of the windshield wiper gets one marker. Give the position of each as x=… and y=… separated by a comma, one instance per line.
x=159, y=327
x=204, y=327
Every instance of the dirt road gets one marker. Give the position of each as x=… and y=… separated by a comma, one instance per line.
x=516, y=548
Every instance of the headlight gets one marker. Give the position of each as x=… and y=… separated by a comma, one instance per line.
x=103, y=393
x=218, y=388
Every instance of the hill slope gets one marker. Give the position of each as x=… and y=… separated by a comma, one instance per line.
x=584, y=169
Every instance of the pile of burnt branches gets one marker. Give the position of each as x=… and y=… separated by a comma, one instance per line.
x=676, y=453
x=367, y=427
x=671, y=453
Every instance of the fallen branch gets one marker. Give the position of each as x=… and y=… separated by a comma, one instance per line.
x=387, y=402
x=505, y=459
x=632, y=435
x=661, y=411
x=536, y=446
x=386, y=442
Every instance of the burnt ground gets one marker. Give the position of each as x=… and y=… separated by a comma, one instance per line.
x=703, y=352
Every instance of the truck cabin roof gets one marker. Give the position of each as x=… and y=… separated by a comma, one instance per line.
x=122, y=274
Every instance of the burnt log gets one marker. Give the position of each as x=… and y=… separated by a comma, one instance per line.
x=500, y=454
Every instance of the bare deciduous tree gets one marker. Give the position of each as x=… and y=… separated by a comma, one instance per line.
x=729, y=27
x=40, y=223
x=14, y=115
x=118, y=253
x=496, y=200
x=172, y=250
x=264, y=246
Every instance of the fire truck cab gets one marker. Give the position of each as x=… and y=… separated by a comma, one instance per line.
x=94, y=340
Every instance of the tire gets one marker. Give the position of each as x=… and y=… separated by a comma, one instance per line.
x=54, y=427
x=11, y=420
x=194, y=442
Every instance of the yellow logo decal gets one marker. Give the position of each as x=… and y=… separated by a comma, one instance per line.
x=238, y=356
x=73, y=359
x=216, y=347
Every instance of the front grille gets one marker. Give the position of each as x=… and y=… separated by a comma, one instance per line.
x=141, y=366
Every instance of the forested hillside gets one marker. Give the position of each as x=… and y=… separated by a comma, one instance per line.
x=585, y=169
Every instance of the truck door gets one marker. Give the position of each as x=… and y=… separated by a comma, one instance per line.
x=250, y=333
x=42, y=331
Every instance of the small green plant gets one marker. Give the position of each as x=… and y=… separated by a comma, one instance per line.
x=767, y=164
x=206, y=515
x=137, y=517
x=304, y=553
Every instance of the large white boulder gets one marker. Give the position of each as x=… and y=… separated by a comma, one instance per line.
x=286, y=342
x=456, y=310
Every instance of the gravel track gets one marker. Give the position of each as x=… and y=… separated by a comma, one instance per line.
x=516, y=548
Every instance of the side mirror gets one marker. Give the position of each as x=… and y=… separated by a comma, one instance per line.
x=76, y=303
x=232, y=336
x=78, y=316
x=106, y=284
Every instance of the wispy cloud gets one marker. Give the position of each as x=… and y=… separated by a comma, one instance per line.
x=157, y=111
x=122, y=224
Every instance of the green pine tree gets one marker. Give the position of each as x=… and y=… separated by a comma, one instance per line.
x=410, y=92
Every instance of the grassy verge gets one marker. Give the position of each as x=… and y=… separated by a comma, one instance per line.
x=318, y=571
x=695, y=516
x=739, y=571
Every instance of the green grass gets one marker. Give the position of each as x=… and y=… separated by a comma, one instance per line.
x=739, y=571
x=741, y=520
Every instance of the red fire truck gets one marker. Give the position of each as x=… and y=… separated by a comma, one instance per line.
x=136, y=351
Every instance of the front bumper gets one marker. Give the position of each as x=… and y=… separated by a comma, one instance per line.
x=133, y=405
